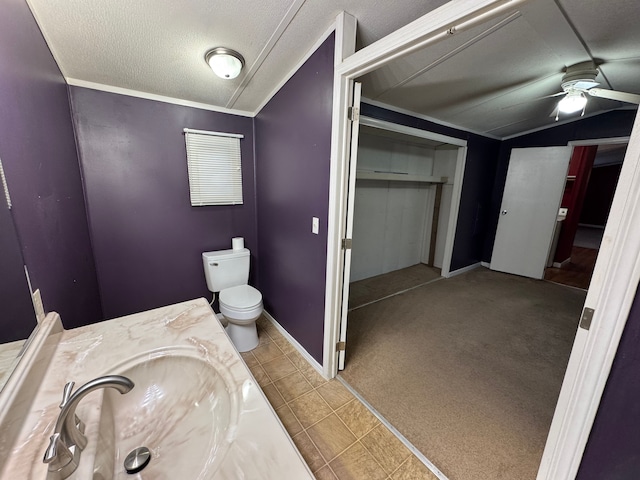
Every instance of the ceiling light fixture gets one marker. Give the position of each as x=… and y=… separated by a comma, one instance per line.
x=224, y=62
x=573, y=101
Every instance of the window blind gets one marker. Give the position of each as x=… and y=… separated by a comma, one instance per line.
x=215, y=167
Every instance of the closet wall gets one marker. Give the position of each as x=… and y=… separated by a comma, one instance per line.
x=393, y=219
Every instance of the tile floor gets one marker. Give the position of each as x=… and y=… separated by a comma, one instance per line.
x=336, y=434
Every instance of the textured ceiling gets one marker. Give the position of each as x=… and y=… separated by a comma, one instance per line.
x=482, y=80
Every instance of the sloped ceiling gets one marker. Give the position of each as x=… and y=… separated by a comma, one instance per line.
x=485, y=79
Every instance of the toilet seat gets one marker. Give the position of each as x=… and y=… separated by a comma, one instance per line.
x=241, y=298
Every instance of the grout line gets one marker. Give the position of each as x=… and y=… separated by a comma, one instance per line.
x=435, y=470
x=394, y=294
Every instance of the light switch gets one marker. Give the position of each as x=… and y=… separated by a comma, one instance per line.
x=315, y=225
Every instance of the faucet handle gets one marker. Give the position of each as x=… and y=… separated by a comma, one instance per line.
x=66, y=395
x=63, y=460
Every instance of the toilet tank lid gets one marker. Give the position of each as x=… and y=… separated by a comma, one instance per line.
x=221, y=254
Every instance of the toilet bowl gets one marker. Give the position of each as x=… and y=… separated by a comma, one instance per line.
x=241, y=306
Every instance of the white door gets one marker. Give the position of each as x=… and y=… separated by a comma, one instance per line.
x=353, y=160
x=532, y=196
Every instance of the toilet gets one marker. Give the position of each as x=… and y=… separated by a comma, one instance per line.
x=227, y=272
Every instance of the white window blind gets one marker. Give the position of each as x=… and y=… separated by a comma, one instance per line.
x=215, y=167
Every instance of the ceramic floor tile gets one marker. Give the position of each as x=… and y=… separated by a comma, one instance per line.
x=279, y=367
x=292, y=386
x=289, y=420
x=358, y=418
x=249, y=359
x=309, y=451
x=413, y=469
x=260, y=375
x=310, y=408
x=386, y=448
x=284, y=344
x=267, y=352
x=273, y=395
x=331, y=436
x=357, y=464
x=335, y=393
x=325, y=473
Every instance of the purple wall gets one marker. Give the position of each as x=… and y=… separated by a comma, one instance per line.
x=17, y=318
x=612, y=451
x=38, y=150
x=293, y=139
x=147, y=237
x=611, y=124
x=477, y=185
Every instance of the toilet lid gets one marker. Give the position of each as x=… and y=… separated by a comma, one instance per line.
x=242, y=296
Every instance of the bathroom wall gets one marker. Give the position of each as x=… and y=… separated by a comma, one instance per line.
x=477, y=185
x=293, y=139
x=611, y=124
x=147, y=237
x=38, y=151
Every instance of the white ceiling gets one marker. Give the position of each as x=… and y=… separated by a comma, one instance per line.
x=477, y=79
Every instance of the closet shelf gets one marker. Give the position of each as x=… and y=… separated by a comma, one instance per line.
x=398, y=177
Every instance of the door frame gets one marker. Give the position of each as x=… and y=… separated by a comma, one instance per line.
x=617, y=271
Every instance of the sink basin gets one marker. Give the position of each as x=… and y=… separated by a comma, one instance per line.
x=183, y=409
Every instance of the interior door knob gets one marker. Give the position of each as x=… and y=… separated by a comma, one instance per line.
x=503, y=212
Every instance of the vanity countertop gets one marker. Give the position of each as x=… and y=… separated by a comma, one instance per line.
x=260, y=448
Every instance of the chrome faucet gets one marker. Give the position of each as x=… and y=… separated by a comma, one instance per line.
x=63, y=453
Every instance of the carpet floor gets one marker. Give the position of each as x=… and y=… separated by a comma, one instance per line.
x=468, y=369
x=380, y=286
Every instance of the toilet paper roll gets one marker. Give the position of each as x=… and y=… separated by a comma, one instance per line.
x=237, y=243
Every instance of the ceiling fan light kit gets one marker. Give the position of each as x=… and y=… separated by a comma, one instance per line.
x=572, y=102
x=224, y=62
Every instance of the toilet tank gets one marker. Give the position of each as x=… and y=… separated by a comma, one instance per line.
x=226, y=268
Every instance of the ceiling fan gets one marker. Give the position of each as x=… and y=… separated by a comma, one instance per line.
x=578, y=82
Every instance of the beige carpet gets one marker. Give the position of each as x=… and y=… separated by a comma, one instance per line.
x=468, y=369
x=380, y=286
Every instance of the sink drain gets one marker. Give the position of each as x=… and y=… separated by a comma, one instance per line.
x=137, y=460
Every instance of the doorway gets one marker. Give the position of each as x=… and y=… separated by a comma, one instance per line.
x=610, y=297
x=588, y=194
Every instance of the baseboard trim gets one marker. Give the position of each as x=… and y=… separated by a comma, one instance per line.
x=485, y=264
x=468, y=268
x=301, y=350
x=427, y=463
x=562, y=263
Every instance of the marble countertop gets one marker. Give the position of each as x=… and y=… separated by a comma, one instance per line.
x=260, y=447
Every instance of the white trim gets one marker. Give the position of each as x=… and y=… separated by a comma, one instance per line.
x=301, y=350
x=456, y=195
x=562, y=263
x=427, y=463
x=414, y=132
x=421, y=116
x=158, y=98
x=296, y=67
x=342, y=87
x=215, y=134
x=462, y=270
x=599, y=141
x=561, y=122
x=485, y=264
x=266, y=50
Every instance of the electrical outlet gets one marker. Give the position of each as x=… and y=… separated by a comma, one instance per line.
x=315, y=225
x=37, y=305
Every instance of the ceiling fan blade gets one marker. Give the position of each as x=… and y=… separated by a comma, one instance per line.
x=614, y=95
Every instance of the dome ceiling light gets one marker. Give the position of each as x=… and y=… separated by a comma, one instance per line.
x=224, y=62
